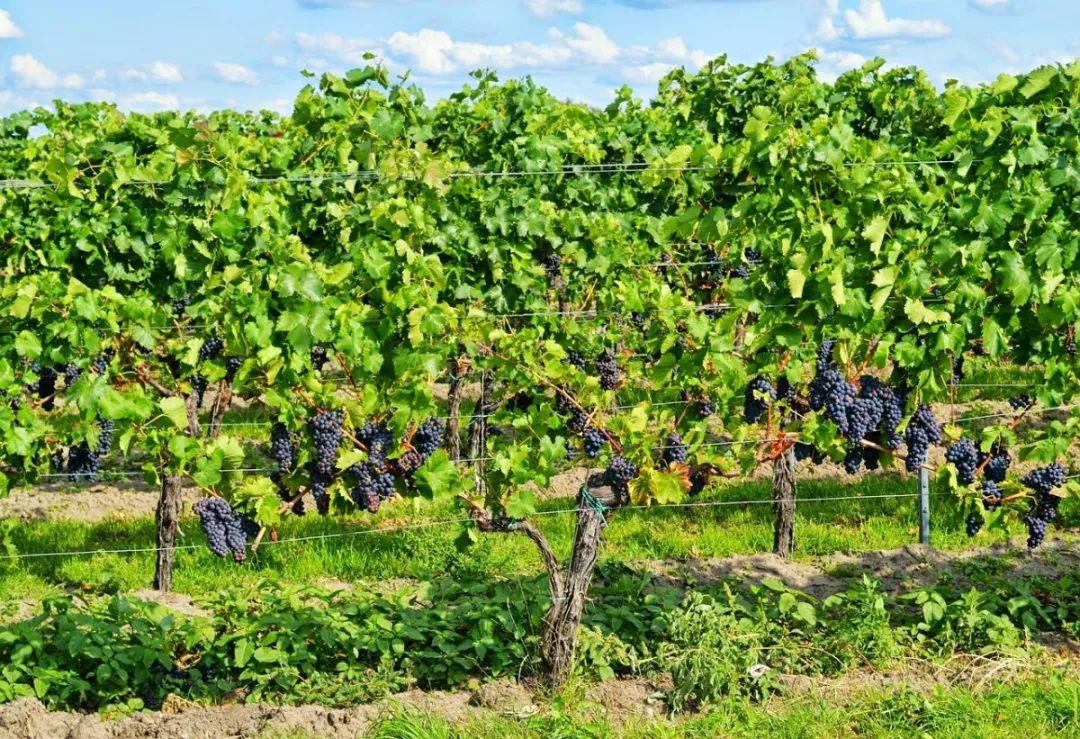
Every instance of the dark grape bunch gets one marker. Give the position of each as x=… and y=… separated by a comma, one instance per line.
x=698, y=480
x=675, y=451
x=198, y=389
x=705, y=407
x=45, y=388
x=371, y=486
x=998, y=466
x=427, y=438
x=179, y=305
x=1070, y=341
x=991, y=496
x=552, y=264
x=84, y=463
x=225, y=530
x=1020, y=402
x=753, y=257
x=377, y=439
x=326, y=435
x=974, y=523
x=232, y=366
x=101, y=364
x=965, y=457
x=71, y=373
x=759, y=396
x=831, y=392
x=283, y=452
x=576, y=359
x=592, y=441
x=607, y=366
x=1044, y=504
x=317, y=355
x=922, y=431
x=618, y=475
x=958, y=369
x=805, y=451
x=211, y=348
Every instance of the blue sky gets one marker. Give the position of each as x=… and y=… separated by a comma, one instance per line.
x=205, y=54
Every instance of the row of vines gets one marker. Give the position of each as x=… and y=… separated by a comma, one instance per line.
x=754, y=267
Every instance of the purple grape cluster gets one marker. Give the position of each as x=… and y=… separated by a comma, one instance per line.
x=71, y=373
x=759, y=396
x=698, y=480
x=198, y=389
x=45, y=387
x=705, y=407
x=675, y=451
x=974, y=523
x=377, y=439
x=805, y=451
x=965, y=457
x=552, y=264
x=326, y=437
x=283, y=452
x=179, y=305
x=991, y=496
x=1045, y=504
x=618, y=475
x=225, y=530
x=922, y=431
x=607, y=366
x=232, y=366
x=428, y=437
x=84, y=463
x=576, y=359
x=958, y=369
x=1020, y=402
x=998, y=466
x=371, y=486
x=1070, y=342
x=211, y=348
x=101, y=364
x=592, y=441
x=317, y=355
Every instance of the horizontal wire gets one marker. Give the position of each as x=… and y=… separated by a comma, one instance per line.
x=453, y=521
x=573, y=170
x=1029, y=412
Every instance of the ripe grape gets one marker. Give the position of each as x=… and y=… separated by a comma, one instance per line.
x=698, y=480
x=1020, y=402
x=991, y=495
x=805, y=451
x=618, y=475
x=326, y=435
x=198, y=388
x=45, y=388
x=317, y=355
x=675, y=451
x=1070, y=342
x=608, y=368
x=282, y=450
x=371, y=486
x=1044, y=504
x=829, y=391
x=998, y=466
x=922, y=431
x=378, y=439
x=552, y=264
x=427, y=438
x=753, y=256
x=211, y=348
x=71, y=374
x=759, y=394
x=405, y=465
x=593, y=441
x=958, y=369
x=965, y=457
x=232, y=366
x=225, y=531
x=705, y=407
x=576, y=359
x=974, y=523
x=179, y=305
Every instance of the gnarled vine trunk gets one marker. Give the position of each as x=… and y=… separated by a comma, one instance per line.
x=168, y=524
x=569, y=588
x=784, y=503
x=453, y=414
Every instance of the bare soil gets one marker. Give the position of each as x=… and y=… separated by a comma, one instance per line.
x=898, y=570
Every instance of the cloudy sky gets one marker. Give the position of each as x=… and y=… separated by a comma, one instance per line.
x=247, y=53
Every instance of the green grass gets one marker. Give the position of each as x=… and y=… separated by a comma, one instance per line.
x=1036, y=706
x=354, y=555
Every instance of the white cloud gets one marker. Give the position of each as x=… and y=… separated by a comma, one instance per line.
x=350, y=50
x=29, y=72
x=648, y=72
x=436, y=52
x=991, y=4
x=166, y=72
x=548, y=8
x=8, y=29
x=99, y=75
x=826, y=29
x=133, y=75
x=833, y=63
x=591, y=42
x=235, y=73
x=150, y=101
x=280, y=61
x=871, y=22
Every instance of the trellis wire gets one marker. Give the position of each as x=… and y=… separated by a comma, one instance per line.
x=570, y=170
x=453, y=521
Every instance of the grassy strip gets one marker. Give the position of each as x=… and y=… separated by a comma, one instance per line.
x=422, y=553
